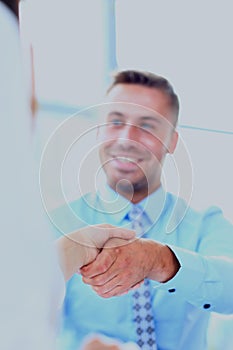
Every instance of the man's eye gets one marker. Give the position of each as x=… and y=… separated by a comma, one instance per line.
x=147, y=126
x=116, y=122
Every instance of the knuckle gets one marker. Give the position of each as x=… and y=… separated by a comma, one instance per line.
x=98, y=281
x=104, y=267
x=85, y=280
x=119, y=291
x=84, y=273
x=97, y=289
x=103, y=294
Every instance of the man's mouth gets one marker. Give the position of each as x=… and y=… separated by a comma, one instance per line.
x=125, y=163
x=127, y=159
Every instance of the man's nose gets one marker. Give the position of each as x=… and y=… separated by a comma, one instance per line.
x=129, y=133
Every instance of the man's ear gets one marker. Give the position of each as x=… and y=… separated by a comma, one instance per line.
x=173, y=142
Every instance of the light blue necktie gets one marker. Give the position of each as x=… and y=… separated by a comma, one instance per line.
x=142, y=308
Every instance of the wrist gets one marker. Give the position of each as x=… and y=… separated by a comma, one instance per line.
x=165, y=264
x=72, y=254
x=172, y=265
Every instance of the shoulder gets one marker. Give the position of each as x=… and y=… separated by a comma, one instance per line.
x=182, y=214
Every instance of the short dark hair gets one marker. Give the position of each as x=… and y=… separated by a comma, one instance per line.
x=150, y=80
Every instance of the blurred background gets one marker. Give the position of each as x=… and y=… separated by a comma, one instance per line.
x=72, y=47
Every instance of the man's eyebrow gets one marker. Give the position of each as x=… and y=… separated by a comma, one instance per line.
x=115, y=113
x=146, y=117
x=150, y=118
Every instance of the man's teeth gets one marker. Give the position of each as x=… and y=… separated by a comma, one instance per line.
x=127, y=159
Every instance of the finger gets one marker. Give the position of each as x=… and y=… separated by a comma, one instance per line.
x=116, y=291
x=100, y=234
x=137, y=285
x=102, y=264
x=109, y=289
x=118, y=284
x=102, y=279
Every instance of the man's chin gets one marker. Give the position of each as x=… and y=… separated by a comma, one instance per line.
x=129, y=186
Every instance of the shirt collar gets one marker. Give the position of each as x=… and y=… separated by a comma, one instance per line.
x=153, y=205
x=113, y=203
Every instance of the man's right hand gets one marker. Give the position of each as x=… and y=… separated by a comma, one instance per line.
x=119, y=268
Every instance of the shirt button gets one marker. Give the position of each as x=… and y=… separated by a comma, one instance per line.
x=172, y=290
x=206, y=306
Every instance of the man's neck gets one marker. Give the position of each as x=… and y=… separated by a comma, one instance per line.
x=136, y=196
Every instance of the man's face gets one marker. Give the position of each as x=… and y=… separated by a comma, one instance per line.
x=136, y=138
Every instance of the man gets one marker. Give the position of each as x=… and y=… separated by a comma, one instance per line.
x=186, y=272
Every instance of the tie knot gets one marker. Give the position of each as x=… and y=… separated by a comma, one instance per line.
x=135, y=216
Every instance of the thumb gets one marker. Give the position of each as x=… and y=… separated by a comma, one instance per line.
x=119, y=232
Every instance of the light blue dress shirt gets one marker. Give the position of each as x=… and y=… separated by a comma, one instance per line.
x=203, y=244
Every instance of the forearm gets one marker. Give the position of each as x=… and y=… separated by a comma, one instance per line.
x=72, y=254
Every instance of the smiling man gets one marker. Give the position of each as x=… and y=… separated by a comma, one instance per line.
x=140, y=131
x=183, y=275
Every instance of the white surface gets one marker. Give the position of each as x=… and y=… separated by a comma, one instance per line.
x=190, y=44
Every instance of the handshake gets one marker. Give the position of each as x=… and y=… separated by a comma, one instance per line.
x=92, y=251
x=113, y=261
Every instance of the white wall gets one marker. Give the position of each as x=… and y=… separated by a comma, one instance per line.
x=190, y=44
x=69, y=48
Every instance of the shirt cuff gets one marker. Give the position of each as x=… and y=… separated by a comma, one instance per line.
x=190, y=276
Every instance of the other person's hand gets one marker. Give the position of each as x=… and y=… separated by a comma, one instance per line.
x=81, y=247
